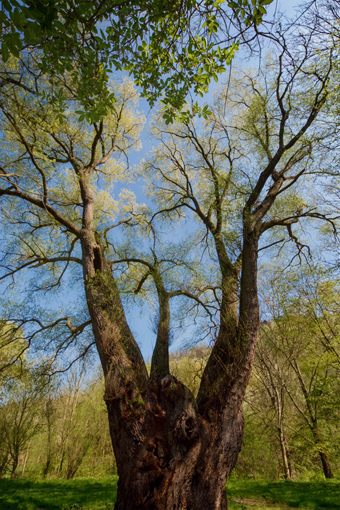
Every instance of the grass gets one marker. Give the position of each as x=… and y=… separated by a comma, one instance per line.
x=81, y=493
x=258, y=495
x=100, y=494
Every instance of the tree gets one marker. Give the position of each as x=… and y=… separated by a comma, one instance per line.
x=12, y=348
x=20, y=401
x=67, y=441
x=272, y=376
x=305, y=336
x=168, y=47
x=74, y=434
x=172, y=450
x=79, y=425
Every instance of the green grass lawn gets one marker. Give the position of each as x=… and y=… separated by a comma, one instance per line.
x=100, y=494
x=257, y=495
x=81, y=493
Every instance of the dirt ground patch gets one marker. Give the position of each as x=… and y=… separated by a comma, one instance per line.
x=255, y=504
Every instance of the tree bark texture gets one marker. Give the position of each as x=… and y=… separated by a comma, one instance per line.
x=168, y=456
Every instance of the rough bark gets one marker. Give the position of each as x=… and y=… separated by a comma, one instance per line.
x=171, y=451
x=169, y=456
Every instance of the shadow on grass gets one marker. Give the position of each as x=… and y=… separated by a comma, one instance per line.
x=89, y=494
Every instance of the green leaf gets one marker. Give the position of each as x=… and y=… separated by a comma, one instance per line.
x=59, y=25
x=7, y=5
x=5, y=52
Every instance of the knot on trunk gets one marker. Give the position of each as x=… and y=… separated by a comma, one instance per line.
x=186, y=428
x=97, y=259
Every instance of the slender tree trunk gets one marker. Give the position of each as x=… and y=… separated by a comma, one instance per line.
x=25, y=459
x=49, y=455
x=323, y=456
x=279, y=404
x=326, y=465
x=49, y=458
x=47, y=466
x=14, y=467
x=60, y=467
x=74, y=464
x=284, y=452
x=291, y=465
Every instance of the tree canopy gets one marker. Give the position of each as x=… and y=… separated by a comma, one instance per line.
x=169, y=48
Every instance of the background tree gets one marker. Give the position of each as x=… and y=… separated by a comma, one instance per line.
x=271, y=375
x=20, y=416
x=14, y=378
x=306, y=334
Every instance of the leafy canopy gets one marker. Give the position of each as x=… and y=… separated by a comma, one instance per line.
x=169, y=48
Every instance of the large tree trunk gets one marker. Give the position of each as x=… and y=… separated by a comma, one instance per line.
x=168, y=456
x=173, y=452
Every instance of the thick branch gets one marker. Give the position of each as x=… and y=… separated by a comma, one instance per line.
x=41, y=261
x=40, y=203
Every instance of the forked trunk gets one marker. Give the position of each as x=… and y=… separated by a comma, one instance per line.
x=168, y=456
x=173, y=452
